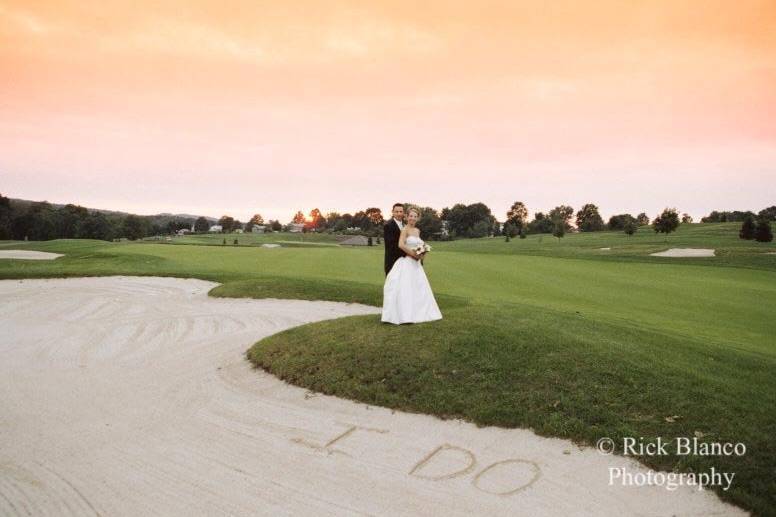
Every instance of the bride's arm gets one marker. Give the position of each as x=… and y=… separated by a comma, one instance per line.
x=403, y=244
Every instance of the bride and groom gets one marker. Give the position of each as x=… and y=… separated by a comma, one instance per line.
x=407, y=296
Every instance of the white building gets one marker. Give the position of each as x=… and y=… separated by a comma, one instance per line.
x=258, y=228
x=296, y=227
x=216, y=228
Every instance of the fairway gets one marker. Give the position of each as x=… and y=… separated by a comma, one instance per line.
x=562, y=337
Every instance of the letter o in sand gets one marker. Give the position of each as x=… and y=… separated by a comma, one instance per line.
x=507, y=477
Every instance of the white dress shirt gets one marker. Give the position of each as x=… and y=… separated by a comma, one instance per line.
x=399, y=224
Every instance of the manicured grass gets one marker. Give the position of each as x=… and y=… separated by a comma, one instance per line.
x=723, y=237
x=560, y=337
x=254, y=239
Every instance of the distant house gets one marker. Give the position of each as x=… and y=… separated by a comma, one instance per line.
x=238, y=230
x=258, y=228
x=216, y=228
x=296, y=227
x=183, y=231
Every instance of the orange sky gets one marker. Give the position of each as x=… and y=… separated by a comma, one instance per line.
x=238, y=107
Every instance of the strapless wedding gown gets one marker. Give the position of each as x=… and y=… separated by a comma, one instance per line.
x=407, y=296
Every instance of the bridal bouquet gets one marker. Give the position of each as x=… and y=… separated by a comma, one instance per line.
x=421, y=249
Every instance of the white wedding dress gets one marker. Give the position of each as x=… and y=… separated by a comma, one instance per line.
x=407, y=296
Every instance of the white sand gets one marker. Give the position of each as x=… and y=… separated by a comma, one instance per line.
x=685, y=252
x=270, y=245
x=604, y=249
x=28, y=255
x=131, y=396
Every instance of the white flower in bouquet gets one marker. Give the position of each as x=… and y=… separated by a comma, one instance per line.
x=420, y=249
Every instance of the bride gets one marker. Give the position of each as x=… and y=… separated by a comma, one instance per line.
x=407, y=296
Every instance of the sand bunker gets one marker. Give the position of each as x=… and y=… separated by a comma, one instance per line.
x=28, y=255
x=685, y=252
x=131, y=396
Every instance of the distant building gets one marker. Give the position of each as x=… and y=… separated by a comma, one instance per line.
x=296, y=227
x=258, y=228
x=216, y=228
x=238, y=230
x=183, y=231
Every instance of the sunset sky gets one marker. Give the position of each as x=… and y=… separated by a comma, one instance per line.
x=237, y=107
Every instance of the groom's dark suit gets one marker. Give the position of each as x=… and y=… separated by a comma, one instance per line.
x=391, y=234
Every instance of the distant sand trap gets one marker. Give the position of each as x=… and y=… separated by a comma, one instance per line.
x=270, y=245
x=132, y=396
x=604, y=249
x=28, y=255
x=685, y=252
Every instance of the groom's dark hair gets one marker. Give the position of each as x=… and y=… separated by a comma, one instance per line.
x=397, y=204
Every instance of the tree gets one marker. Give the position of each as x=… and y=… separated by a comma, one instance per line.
x=227, y=223
x=38, y=223
x=763, y=231
x=510, y=230
x=96, y=226
x=275, y=225
x=561, y=213
x=620, y=221
x=630, y=227
x=298, y=218
x=768, y=213
x=332, y=218
x=5, y=218
x=686, y=218
x=70, y=218
x=375, y=216
x=340, y=225
x=473, y=220
x=589, y=220
x=133, y=228
x=642, y=219
x=726, y=217
x=429, y=223
x=666, y=222
x=496, y=229
x=257, y=220
x=480, y=229
x=748, y=229
x=559, y=228
x=541, y=224
x=518, y=215
x=201, y=225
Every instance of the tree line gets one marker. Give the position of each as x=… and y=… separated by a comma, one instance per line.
x=43, y=221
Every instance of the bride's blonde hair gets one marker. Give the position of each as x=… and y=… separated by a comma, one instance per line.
x=413, y=209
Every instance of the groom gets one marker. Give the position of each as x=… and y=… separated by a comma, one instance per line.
x=391, y=231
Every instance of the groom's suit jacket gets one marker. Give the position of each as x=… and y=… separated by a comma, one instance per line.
x=391, y=233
